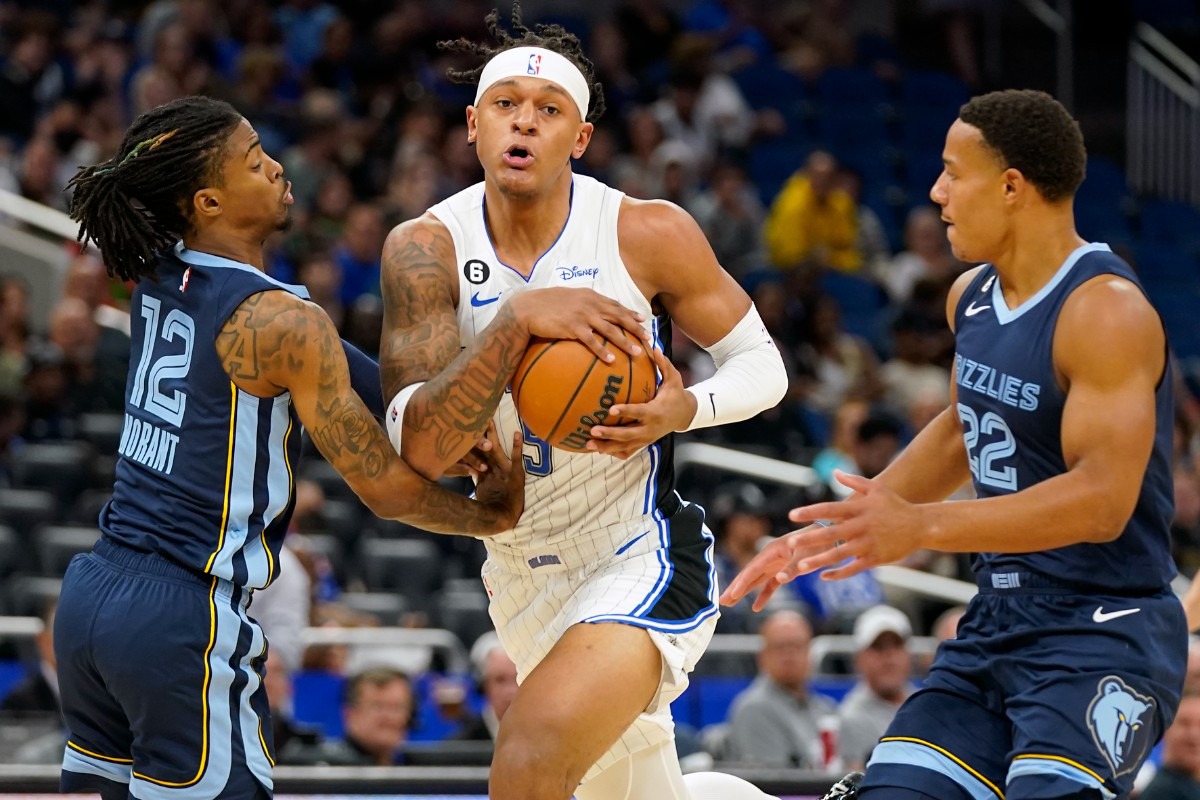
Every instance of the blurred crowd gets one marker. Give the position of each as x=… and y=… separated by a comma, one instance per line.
x=849, y=273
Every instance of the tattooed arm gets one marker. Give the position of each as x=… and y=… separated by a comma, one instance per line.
x=420, y=342
x=276, y=342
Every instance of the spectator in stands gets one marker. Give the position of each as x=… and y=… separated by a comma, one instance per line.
x=776, y=722
x=87, y=280
x=946, y=625
x=741, y=522
x=30, y=79
x=291, y=739
x=283, y=610
x=38, y=174
x=838, y=365
x=174, y=73
x=377, y=714
x=837, y=454
x=884, y=664
x=310, y=161
x=37, y=694
x=926, y=256
x=872, y=238
x=45, y=395
x=358, y=251
x=731, y=216
x=813, y=218
x=96, y=359
x=497, y=680
x=1185, y=524
x=1179, y=776
x=911, y=373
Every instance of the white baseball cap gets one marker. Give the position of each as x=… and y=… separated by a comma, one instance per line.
x=878, y=620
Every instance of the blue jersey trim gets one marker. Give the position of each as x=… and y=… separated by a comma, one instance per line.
x=201, y=259
x=920, y=755
x=1032, y=765
x=1005, y=315
x=538, y=260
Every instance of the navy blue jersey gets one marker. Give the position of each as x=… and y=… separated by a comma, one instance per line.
x=205, y=475
x=1011, y=409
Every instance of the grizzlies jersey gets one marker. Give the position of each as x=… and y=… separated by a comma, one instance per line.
x=1011, y=406
x=565, y=492
x=205, y=470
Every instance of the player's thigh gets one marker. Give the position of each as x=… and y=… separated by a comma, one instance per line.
x=98, y=755
x=584, y=694
x=184, y=662
x=946, y=742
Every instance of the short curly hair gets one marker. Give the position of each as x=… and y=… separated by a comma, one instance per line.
x=555, y=38
x=1033, y=133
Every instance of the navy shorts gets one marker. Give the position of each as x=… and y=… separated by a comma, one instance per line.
x=160, y=672
x=1045, y=693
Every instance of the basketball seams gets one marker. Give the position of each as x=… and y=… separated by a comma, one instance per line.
x=547, y=344
x=571, y=402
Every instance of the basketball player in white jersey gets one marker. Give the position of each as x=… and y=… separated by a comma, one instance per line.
x=604, y=594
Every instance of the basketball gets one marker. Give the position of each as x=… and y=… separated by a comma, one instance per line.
x=561, y=389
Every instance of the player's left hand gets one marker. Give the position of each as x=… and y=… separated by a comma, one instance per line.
x=873, y=526
x=643, y=424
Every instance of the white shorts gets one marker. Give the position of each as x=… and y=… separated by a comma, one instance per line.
x=653, y=573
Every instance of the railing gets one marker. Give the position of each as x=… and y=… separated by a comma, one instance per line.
x=1058, y=19
x=1163, y=118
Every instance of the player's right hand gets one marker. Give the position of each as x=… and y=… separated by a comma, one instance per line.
x=502, y=487
x=583, y=314
x=764, y=570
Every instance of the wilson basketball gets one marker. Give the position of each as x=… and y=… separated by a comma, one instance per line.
x=561, y=389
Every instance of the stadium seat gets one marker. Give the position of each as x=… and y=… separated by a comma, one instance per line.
x=767, y=85
x=89, y=504
x=388, y=607
x=930, y=90
x=56, y=545
x=27, y=509
x=102, y=431
x=772, y=162
x=1165, y=263
x=28, y=595
x=851, y=86
x=64, y=468
x=12, y=552
x=855, y=129
x=465, y=614
x=409, y=566
x=1170, y=222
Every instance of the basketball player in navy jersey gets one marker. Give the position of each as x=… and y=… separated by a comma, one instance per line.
x=1069, y=663
x=605, y=593
x=160, y=666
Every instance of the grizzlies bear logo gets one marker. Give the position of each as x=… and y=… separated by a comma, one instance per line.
x=1119, y=719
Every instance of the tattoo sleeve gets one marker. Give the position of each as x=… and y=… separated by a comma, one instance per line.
x=277, y=338
x=421, y=343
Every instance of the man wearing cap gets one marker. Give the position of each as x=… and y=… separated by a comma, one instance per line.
x=604, y=594
x=883, y=663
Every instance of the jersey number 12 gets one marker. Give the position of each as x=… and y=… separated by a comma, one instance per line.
x=147, y=389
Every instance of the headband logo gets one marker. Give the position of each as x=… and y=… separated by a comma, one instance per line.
x=535, y=64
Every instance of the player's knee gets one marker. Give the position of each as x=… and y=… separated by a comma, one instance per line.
x=526, y=767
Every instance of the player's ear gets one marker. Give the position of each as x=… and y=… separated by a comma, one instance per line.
x=582, y=139
x=206, y=203
x=1014, y=183
x=472, y=124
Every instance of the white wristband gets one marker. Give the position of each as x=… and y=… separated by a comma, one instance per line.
x=393, y=420
x=750, y=376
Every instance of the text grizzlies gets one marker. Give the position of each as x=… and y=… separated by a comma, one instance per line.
x=1008, y=389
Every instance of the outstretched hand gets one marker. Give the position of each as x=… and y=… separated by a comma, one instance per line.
x=641, y=424
x=874, y=526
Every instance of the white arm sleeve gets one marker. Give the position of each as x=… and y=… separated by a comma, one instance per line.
x=750, y=376
x=393, y=420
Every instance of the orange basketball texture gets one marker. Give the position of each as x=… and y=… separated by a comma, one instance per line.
x=561, y=389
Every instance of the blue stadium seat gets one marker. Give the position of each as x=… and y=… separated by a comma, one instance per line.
x=1159, y=262
x=927, y=89
x=56, y=545
x=767, y=85
x=772, y=162
x=1171, y=222
x=854, y=129
x=851, y=86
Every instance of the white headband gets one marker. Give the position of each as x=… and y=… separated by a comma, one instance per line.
x=537, y=62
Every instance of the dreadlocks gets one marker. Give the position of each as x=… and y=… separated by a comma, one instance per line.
x=555, y=38
x=138, y=202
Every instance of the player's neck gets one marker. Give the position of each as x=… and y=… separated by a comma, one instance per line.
x=523, y=229
x=1036, y=249
x=247, y=250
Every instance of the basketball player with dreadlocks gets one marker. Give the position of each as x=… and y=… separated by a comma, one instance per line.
x=159, y=665
x=604, y=594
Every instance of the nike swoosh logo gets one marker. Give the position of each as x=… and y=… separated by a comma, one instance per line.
x=630, y=543
x=1099, y=616
x=477, y=301
x=972, y=310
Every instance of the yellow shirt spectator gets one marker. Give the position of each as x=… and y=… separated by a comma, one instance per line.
x=810, y=218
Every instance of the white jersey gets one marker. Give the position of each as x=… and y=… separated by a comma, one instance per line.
x=567, y=495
